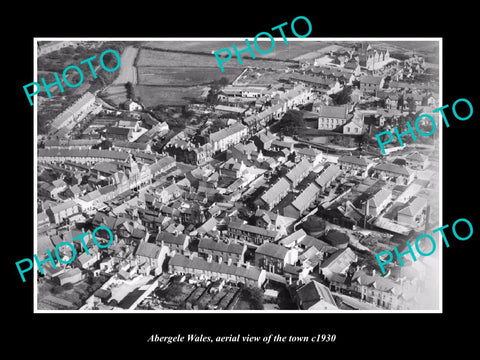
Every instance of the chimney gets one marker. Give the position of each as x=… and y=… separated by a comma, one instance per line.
x=373, y=272
x=247, y=264
x=209, y=258
x=220, y=260
x=229, y=263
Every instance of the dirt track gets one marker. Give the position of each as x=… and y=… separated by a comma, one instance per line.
x=127, y=70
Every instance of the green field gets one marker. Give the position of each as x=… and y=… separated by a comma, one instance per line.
x=180, y=76
x=281, y=50
x=177, y=59
x=155, y=95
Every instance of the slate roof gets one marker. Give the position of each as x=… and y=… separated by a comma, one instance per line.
x=220, y=246
x=107, y=154
x=306, y=197
x=339, y=261
x=294, y=237
x=378, y=282
x=329, y=173
x=148, y=250
x=312, y=293
x=252, y=229
x=354, y=160
x=272, y=250
x=380, y=197
x=298, y=172
x=197, y=263
x=223, y=133
x=414, y=207
x=168, y=238
x=338, y=112
x=280, y=187
x=393, y=168
x=371, y=79
x=63, y=206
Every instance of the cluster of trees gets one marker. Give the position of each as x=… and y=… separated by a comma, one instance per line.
x=254, y=297
x=215, y=88
x=342, y=97
x=291, y=123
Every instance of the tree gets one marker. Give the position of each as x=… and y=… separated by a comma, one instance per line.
x=223, y=81
x=217, y=124
x=130, y=90
x=291, y=123
x=342, y=97
x=400, y=161
x=411, y=104
x=217, y=197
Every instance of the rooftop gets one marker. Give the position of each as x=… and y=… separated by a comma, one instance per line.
x=272, y=250
x=338, y=112
x=198, y=263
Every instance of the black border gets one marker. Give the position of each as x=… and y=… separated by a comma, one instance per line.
x=356, y=333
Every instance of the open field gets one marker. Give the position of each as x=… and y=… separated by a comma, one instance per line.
x=155, y=95
x=180, y=76
x=117, y=94
x=177, y=59
x=281, y=50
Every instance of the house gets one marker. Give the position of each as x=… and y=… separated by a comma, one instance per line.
x=331, y=117
x=86, y=261
x=224, y=109
x=371, y=84
x=319, y=84
x=414, y=213
x=278, y=145
x=274, y=257
x=315, y=296
x=58, y=186
x=415, y=160
x=131, y=105
x=394, y=173
x=189, y=153
x=169, y=193
x=338, y=263
x=71, y=276
x=224, y=138
x=302, y=202
x=298, y=173
x=336, y=238
x=75, y=113
x=373, y=59
x=293, y=239
x=150, y=256
x=60, y=212
x=175, y=243
x=162, y=165
x=221, y=251
x=322, y=250
x=355, y=165
x=327, y=176
x=313, y=155
x=251, y=276
x=354, y=127
x=274, y=194
x=119, y=133
x=381, y=291
x=378, y=202
x=273, y=221
x=254, y=234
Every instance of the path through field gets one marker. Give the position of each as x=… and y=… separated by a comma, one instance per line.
x=117, y=92
x=127, y=70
